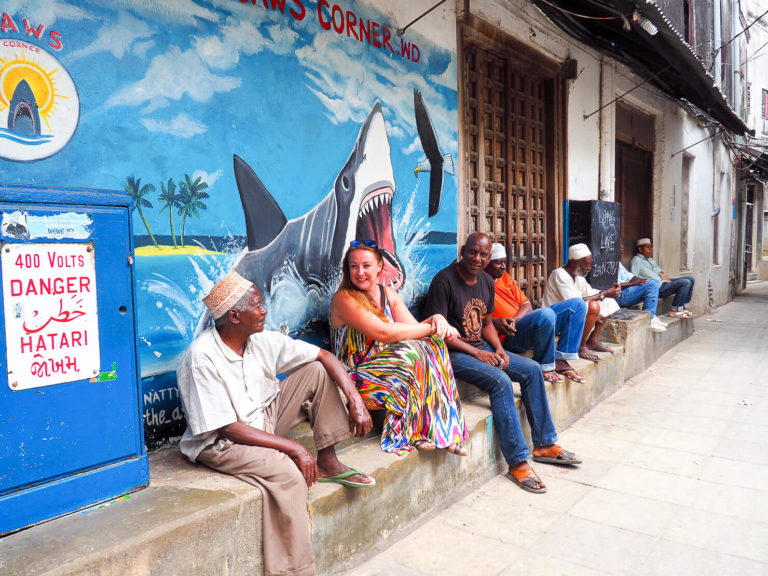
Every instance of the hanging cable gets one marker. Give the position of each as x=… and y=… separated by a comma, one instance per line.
x=401, y=31
x=717, y=50
x=755, y=54
x=585, y=16
x=630, y=90
x=719, y=130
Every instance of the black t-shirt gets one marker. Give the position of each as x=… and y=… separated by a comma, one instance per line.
x=464, y=306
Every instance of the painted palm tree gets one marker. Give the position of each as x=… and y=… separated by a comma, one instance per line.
x=170, y=200
x=190, y=201
x=135, y=190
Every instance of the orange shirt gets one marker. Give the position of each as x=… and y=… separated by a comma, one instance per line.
x=509, y=297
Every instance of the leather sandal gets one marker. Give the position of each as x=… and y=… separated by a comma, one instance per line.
x=528, y=480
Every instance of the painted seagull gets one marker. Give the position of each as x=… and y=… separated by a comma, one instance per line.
x=436, y=162
x=23, y=116
x=358, y=207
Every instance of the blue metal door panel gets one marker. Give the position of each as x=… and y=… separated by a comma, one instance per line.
x=59, y=442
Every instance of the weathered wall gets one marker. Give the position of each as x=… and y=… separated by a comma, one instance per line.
x=318, y=98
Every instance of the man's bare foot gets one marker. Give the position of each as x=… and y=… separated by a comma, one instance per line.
x=587, y=354
x=597, y=347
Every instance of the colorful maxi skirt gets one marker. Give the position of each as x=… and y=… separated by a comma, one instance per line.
x=413, y=381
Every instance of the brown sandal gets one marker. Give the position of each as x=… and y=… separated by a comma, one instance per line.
x=528, y=480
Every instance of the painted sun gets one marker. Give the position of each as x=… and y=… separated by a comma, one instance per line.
x=41, y=81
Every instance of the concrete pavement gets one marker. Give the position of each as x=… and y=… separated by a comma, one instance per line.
x=675, y=478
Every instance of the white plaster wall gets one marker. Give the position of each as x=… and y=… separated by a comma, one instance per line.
x=439, y=26
x=521, y=20
x=584, y=133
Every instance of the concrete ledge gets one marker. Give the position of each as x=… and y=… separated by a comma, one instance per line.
x=642, y=347
x=159, y=530
x=194, y=521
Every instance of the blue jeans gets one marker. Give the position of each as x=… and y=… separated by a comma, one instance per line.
x=498, y=384
x=647, y=293
x=682, y=288
x=537, y=330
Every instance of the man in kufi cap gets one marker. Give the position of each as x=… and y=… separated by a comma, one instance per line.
x=568, y=282
x=644, y=266
x=238, y=413
x=522, y=328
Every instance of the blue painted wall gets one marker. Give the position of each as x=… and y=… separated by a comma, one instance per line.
x=139, y=93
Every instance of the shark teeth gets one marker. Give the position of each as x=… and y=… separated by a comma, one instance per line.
x=376, y=202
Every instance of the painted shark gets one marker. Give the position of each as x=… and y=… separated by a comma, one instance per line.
x=358, y=207
x=23, y=116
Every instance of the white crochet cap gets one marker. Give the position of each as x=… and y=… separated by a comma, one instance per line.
x=498, y=252
x=643, y=241
x=578, y=251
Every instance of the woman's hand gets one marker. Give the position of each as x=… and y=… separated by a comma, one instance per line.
x=441, y=327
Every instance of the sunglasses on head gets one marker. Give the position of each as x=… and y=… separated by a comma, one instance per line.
x=369, y=243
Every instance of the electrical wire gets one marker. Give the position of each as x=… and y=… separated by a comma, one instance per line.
x=755, y=21
x=585, y=16
x=755, y=55
x=401, y=31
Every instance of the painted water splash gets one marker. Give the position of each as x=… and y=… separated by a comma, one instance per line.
x=410, y=237
x=175, y=312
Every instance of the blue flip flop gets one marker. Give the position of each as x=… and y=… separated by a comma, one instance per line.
x=341, y=479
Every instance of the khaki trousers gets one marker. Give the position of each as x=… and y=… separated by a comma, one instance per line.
x=307, y=394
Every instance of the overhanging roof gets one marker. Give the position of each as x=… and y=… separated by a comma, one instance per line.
x=664, y=58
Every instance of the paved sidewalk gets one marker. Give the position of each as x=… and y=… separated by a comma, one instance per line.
x=675, y=478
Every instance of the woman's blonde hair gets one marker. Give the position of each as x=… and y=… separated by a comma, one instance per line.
x=347, y=287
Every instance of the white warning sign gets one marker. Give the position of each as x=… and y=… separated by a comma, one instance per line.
x=51, y=319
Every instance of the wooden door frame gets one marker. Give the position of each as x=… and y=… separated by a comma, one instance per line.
x=473, y=30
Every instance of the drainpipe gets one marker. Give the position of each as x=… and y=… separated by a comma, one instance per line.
x=736, y=60
x=717, y=41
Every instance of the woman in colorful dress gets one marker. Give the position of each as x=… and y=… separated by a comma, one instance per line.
x=398, y=364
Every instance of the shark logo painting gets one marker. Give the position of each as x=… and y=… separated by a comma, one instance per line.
x=359, y=206
x=39, y=105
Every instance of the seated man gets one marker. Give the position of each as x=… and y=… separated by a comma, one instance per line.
x=237, y=413
x=643, y=265
x=522, y=328
x=568, y=282
x=464, y=294
x=635, y=290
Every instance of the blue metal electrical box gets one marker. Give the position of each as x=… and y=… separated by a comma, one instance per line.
x=71, y=432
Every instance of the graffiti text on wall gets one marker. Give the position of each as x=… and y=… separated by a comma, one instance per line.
x=346, y=23
x=8, y=24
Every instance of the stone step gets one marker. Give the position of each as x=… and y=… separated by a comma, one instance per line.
x=194, y=521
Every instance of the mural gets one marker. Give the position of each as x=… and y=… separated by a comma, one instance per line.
x=264, y=135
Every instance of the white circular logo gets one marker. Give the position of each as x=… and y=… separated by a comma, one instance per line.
x=39, y=106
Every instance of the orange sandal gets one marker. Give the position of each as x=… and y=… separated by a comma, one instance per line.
x=528, y=480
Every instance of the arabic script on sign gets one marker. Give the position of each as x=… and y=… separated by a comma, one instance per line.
x=51, y=321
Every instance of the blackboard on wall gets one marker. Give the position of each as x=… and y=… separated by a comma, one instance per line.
x=597, y=224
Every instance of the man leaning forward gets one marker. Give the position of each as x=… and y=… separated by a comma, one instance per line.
x=238, y=413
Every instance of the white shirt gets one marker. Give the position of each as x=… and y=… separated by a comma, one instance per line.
x=624, y=274
x=218, y=387
x=561, y=286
